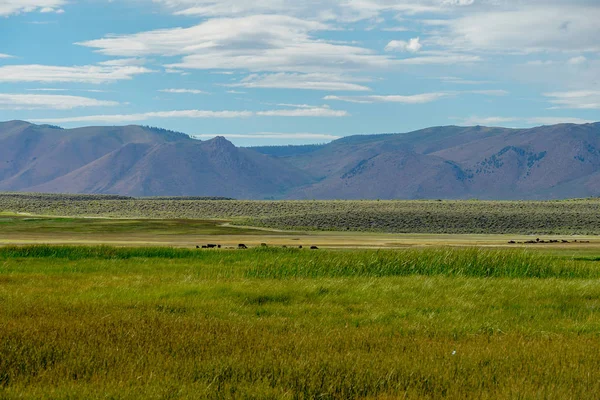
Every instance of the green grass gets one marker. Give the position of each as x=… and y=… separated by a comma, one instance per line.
x=427, y=216
x=275, y=263
x=18, y=224
x=161, y=323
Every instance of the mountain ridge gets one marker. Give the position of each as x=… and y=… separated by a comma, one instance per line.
x=450, y=162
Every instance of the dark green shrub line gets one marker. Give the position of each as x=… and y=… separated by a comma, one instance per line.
x=491, y=217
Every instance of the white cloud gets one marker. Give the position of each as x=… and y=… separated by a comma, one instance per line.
x=219, y=32
x=395, y=29
x=2, y=55
x=577, y=60
x=580, y=99
x=10, y=7
x=413, y=45
x=314, y=81
x=120, y=62
x=520, y=121
x=295, y=105
x=558, y=120
x=56, y=102
x=304, y=112
x=272, y=135
x=66, y=90
x=488, y=121
x=258, y=43
x=86, y=74
x=538, y=63
x=412, y=99
x=533, y=27
x=46, y=90
x=491, y=92
x=340, y=10
x=188, y=91
x=461, y=81
x=120, y=118
x=439, y=57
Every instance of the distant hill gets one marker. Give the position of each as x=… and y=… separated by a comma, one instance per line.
x=287, y=151
x=549, y=162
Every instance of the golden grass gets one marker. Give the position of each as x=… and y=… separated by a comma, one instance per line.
x=154, y=323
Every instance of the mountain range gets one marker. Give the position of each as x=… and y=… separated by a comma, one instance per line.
x=549, y=162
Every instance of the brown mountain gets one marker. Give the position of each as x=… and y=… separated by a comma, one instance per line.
x=444, y=162
x=138, y=161
x=458, y=162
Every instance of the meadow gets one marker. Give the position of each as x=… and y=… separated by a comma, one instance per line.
x=120, y=304
x=165, y=323
x=564, y=217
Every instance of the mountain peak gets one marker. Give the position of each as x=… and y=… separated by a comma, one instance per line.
x=219, y=142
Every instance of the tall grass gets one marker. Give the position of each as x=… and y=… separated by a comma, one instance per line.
x=127, y=323
x=295, y=263
x=100, y=252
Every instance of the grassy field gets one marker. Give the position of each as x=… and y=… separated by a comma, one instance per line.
x=163, y=323
x=189, y=233
x=447, y=309
x=567, y=217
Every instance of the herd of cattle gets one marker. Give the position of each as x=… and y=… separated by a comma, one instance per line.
x=538, y=241
x=242, y=246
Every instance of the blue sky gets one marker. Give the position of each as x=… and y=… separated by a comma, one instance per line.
x=293, y=72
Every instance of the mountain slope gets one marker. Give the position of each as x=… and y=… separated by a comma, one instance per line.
x=547, y=162
x=31, y=155
x=457, y=162
x=211, y=168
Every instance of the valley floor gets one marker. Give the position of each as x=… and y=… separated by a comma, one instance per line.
x=126, y=308
x=28, y=229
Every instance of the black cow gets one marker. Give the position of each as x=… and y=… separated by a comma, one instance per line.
x=242, y=246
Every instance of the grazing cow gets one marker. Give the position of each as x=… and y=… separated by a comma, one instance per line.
x=211, y=246
x=205, y=247
x=242, y=246
x=565, y=241
x=218, y=246
x=197, y=247
x=263, y=245
x=314, y=248
x=512, y=242
x=300, y=246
